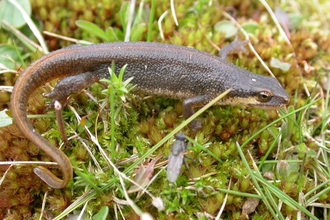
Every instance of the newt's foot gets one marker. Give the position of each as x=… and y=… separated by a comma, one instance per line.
x=234, y=47
x=195, y=125
x=69, y=85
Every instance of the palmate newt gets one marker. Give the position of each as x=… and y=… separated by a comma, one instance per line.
x=157, y=69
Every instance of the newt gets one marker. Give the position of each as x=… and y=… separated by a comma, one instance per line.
x=157, y=69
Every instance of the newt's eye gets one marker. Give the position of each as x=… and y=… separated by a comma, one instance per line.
x=264, y=96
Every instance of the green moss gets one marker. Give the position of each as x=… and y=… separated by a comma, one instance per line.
x=141, y=123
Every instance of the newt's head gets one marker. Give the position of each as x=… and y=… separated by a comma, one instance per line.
x=258, y=91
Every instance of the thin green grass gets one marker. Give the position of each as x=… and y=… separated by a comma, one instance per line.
x=92, y=194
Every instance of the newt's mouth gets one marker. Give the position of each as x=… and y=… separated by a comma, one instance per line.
x=266, y=107
x=273, y=103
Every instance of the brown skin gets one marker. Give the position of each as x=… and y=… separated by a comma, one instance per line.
x=158, y=69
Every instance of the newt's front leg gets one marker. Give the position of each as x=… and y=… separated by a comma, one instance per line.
x=188, y=106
